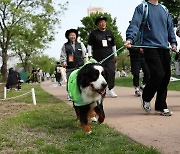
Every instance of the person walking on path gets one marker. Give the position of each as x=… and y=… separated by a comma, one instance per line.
x=137, y=63
x=72, y=53
x=101, y=44
x=158, y=32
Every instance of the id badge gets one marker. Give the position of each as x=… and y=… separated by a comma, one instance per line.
x=71, y=58
x=104, y=43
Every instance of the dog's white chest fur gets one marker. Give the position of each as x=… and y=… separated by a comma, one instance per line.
x=90, y=93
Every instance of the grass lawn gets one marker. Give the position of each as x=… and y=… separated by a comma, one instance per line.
x=50, y=127
x=127, y=82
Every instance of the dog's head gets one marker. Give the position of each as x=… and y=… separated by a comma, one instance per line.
x=91, y=80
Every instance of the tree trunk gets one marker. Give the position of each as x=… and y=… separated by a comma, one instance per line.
x=25, y=67
x=4, y=66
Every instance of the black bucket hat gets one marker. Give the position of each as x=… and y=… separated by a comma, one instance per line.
x=71, y=31
x=99, y=19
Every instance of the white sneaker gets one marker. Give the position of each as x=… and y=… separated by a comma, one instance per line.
x=164, y=112
x=112, y=93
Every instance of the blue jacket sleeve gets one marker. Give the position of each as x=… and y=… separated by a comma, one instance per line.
x=171, y=34
x=135, y=24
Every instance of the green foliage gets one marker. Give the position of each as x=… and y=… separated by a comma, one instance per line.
x=89, y=25
x=44, y=62
x=27, y=27
x=173, y=7
x=123, y=60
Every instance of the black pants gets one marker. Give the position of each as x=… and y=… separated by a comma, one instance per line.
x=158, y=61
x=109, y=66
x=137, y=63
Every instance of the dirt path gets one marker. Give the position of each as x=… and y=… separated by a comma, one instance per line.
x=124, y=114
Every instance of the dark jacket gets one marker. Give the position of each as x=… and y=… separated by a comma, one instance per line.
x=13, y=78
x=77, y=55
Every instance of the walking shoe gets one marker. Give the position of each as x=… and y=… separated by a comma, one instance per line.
x=112, y=93
x=164, y=112
x=145, y=106
x=137, y=93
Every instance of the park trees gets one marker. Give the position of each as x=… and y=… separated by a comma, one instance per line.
x=88, y=23
x=173, y=7
x=39, y=61
x=26, y=26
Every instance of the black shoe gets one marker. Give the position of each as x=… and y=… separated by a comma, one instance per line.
x=164, y=112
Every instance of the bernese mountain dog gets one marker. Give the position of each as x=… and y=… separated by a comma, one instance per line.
x=87, y=88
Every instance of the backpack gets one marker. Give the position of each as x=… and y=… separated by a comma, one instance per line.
x=139, y=36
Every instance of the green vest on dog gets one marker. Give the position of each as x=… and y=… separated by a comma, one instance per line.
x=73, y=89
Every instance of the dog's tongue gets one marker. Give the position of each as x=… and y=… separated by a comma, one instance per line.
x=102, y=91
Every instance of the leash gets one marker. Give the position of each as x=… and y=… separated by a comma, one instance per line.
x=111, y=54
x=136, y=46
x=153, y=47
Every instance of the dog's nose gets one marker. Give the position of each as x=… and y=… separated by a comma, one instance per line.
x=104, y=85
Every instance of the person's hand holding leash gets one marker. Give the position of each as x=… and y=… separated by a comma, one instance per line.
x=174, y=48
x=127, y=44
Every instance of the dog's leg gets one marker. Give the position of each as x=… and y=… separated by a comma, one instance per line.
x=92, y=115
x=86, y=128
x=100, y=112
x=84, y=111
x=76, y=111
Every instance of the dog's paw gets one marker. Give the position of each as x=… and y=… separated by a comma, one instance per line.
x=88, y=133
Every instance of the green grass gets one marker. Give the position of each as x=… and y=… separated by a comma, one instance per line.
x=50, y=127
x=127, y=82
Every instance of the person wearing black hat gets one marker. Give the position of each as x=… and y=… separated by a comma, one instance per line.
x=73, y=52
x=101, y=44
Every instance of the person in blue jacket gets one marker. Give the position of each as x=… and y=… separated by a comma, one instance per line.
x=158, y=33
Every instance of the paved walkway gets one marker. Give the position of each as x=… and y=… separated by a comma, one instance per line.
x=124, y=114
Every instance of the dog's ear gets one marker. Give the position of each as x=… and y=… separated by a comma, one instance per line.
x=82, y=78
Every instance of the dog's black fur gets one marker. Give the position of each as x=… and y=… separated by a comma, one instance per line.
x=91, y=81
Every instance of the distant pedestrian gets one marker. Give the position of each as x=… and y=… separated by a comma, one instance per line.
x=34, y=75
x=13, y=80
x=58, y=73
